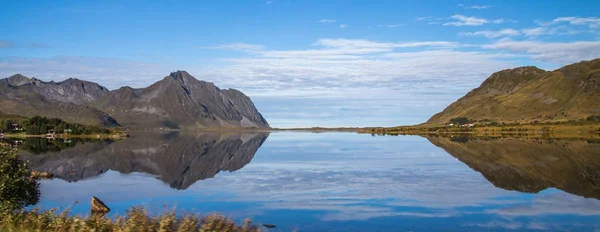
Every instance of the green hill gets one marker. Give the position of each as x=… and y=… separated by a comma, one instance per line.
x=530, y=94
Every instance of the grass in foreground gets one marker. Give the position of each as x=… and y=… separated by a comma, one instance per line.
x=137, y=219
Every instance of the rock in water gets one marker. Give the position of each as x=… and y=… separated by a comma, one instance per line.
x=270, y=226
x=99, y=206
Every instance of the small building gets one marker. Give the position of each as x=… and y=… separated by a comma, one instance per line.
x=16, y=127
x=50, y=134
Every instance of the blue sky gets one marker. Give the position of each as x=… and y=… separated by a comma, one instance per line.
x=304, y=63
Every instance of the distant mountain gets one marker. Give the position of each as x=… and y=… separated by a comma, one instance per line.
x=177, y=101
x=529, y=94
x=178, y=159
x=529, y=165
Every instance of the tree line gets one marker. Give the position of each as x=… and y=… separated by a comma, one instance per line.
x=41, y=125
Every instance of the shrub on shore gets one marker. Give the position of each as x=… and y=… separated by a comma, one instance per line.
x=17, y=190
x=136, y=219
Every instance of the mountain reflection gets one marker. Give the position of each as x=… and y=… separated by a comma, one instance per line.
x=531, y=165
x=178, y=159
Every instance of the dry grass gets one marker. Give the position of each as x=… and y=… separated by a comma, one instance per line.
x=137, y=219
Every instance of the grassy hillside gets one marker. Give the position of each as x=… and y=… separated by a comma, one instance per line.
x=6, y=116
x=529, y=95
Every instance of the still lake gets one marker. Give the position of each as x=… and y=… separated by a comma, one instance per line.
x=334, y=181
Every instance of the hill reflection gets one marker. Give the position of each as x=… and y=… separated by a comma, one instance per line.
x=531, y=165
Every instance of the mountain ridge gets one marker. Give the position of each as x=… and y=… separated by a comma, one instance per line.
x=178, y=101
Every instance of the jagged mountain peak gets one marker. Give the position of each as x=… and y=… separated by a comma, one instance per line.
x=180, y=74
x=18, y=80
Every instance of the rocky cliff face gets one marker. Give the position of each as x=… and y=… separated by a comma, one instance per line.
x=177, y=159
x=177, y=101
x=529, y=94
x=181, y=101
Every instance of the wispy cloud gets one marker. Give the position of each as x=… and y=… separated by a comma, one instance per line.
x=498, y=21
x=6, y=44
x=466, y=21
x=430, y=19
x=591, y=22
x=327, y=21
x=356, y=63
x=270, y=2
x=555, y=52
x=344, y=26
x=476, y=7
x=390, y=25
x=508, y=32
x=564, y=26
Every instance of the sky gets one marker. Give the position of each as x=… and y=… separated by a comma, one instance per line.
x=303, y=63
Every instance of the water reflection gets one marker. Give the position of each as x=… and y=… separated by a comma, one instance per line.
x=341, y=181
x=178, y=159
x=531, y=165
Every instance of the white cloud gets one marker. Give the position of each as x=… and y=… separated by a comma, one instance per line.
x=343, y=26
x=556, y=52
x=354, y=63
x=270, y=2
x=564, y=26
x=591, y=22
x=327, y=21
x=535, y=31
x=466, y=21
x=477, y=7
x=553, y=30
x=508, y=32
x=430, y=19
x=498, y=21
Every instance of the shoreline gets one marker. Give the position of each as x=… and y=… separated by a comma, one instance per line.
x=90, y=136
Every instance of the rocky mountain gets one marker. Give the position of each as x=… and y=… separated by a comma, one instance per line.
x=177, y=101
x=67, y=100
x=180, y=100
x=528, y=165
x=178, y=159
x=528, y=94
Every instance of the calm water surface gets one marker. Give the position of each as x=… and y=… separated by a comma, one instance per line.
x=337, y=181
